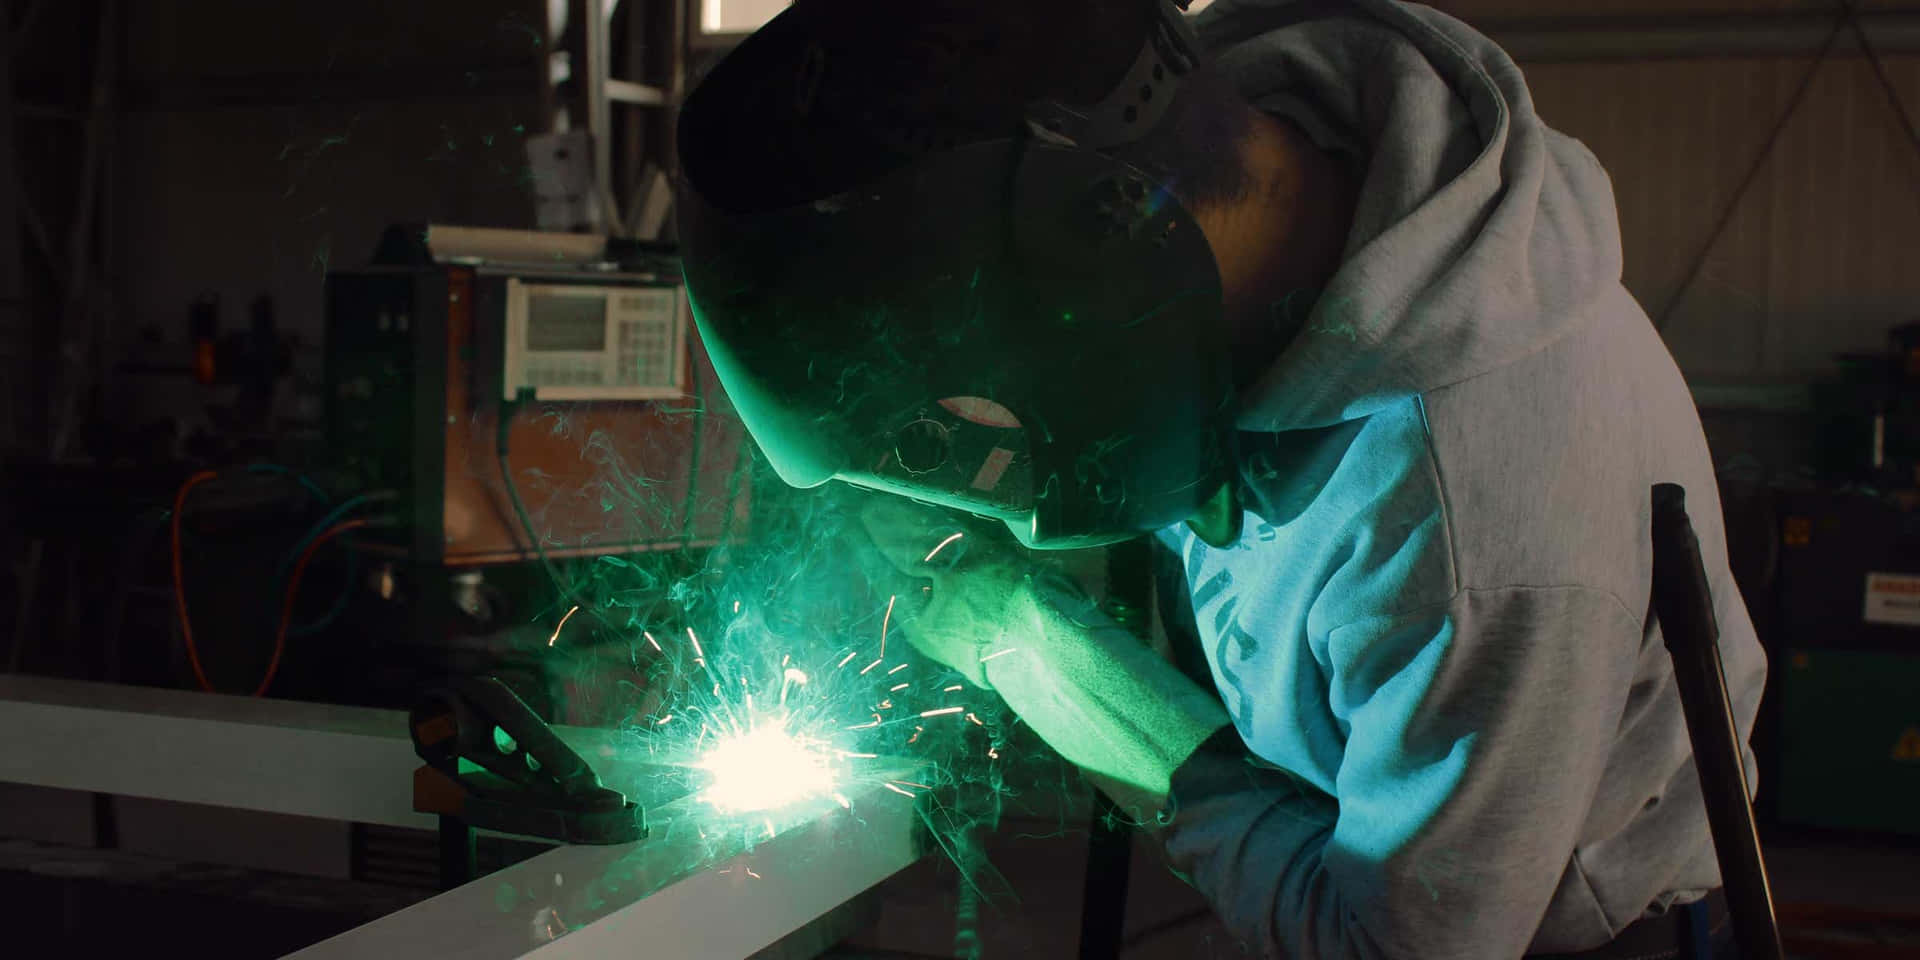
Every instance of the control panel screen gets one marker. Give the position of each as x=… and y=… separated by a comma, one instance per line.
x=566, y=324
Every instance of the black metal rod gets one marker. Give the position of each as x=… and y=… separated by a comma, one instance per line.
x=1103, y=911
x=456, y=852
x=1684, y=605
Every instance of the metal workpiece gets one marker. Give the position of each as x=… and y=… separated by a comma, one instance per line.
x=700, y=886
x=274, y=756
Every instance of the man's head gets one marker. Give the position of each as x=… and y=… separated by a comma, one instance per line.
x=943, y=249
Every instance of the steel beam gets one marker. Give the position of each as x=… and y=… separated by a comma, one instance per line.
x=275, y=756
x=698, y=888
x=700, y=885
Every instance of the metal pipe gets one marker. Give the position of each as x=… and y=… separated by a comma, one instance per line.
x=1669, y=38
x=1684, y=605
x=599, y=110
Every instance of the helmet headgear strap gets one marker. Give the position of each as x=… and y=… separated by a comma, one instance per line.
x=1135, y=105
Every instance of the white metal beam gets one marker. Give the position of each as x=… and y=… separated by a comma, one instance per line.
x=700, y=886
x=275, y=756
x=697, y=889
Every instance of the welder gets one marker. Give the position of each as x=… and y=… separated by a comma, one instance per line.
x=1309, y=295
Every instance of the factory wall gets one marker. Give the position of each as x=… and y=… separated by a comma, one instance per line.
x=1816, y=258
x=263, y=144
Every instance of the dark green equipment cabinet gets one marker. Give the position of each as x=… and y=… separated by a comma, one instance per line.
x=1850, y=740
x=1846, y=665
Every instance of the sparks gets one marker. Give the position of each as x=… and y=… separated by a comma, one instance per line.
x=896, y=688
x=702, y=654
x=1001, y=653
x=561, y=625
x=844, y=660
x=897, y=669
x=788, y=680
x=870, y=666
x=650, y=639
x=884, y=621
x=663, y=719
x=766, y=768
x=952, y=688
x=904, y=793
x=974, y=720
x=943, y=711
x=943, y=545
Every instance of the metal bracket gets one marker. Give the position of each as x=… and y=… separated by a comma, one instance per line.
x=492, y=763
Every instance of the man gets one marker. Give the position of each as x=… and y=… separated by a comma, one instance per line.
x=1313, y=298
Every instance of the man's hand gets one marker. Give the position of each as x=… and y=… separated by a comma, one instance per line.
x=1095, y=692
x=981, y=601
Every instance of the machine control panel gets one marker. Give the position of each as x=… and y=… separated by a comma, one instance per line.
x=569, y=341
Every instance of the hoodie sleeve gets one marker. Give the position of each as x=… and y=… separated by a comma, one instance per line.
x=1477, y=731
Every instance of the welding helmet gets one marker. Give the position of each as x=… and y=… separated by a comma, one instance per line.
x=1016, y=324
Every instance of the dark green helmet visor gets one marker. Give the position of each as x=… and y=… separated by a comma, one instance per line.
x=1022, y=328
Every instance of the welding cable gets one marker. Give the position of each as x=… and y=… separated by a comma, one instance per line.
x=742, y=460
x=274, y=469
x=693, y=461
x=313, y=533
x=179, y=578
x=293, y=593
x=179, y=563
x=509, y=410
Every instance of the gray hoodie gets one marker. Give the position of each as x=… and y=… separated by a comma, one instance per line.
x=1435, y=627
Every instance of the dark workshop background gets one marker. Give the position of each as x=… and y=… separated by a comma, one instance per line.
x=158, y=154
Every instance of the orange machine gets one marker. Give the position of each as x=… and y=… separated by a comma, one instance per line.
x=618, y=438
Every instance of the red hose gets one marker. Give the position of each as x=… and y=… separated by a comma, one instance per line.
x=179, y=578
x=286, y=607
x=293, y=592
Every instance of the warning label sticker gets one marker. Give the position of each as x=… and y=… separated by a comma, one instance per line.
x=1908, y=746
x=1893, y=598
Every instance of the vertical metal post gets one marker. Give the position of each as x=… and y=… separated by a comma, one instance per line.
x=15, y=338
x=1103, y=911
x=456, y=852
x=1684, y=605
x=599, y=111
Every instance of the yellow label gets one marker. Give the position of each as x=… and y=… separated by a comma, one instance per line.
x=1908, y=748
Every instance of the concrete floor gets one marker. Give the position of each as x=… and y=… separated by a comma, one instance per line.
x=1044, y=867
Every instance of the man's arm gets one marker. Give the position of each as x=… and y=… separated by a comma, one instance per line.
x=1103, y=699
x=1478, y=732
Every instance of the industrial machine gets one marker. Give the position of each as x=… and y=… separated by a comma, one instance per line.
x=530, y=402
x=468, y=368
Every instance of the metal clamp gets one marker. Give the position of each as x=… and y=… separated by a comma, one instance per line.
x=492, y=763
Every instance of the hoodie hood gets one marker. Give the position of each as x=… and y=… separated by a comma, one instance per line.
x=1480, y=236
